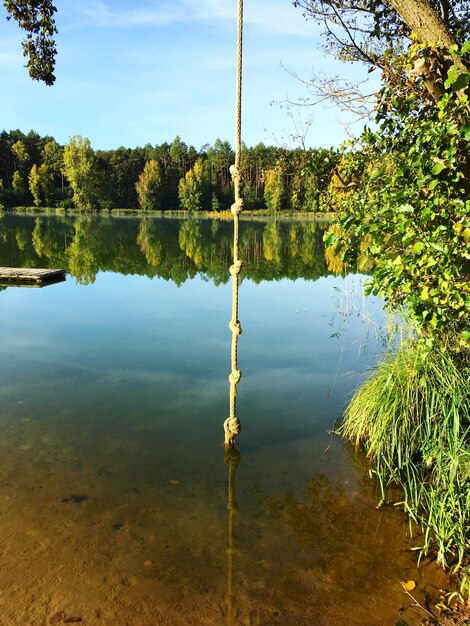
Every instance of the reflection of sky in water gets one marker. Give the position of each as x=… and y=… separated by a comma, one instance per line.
x=127, y=340
x=118, y=390
x=131, y=352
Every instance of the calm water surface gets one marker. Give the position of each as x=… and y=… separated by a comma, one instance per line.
x=113, y=393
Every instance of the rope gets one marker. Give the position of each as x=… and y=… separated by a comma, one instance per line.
x=232, y=459
x=232, y=424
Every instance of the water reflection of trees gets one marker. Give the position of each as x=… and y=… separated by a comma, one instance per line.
x=149, y=243
x=44, y=239
x=81, y=252
x=191, y=242
x=172, y=249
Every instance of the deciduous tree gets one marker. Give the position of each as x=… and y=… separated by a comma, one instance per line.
x=41, y=184
x=274, y=189
x=36, y=18
x=21, y=156
x=81, y=170
x=194, y=188
x=19, y=188
x=149, y=187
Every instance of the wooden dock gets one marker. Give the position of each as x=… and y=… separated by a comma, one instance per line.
x=30, y=276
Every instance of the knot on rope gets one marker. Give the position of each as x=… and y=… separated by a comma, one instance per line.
x=232, y=428
x=235, y=327
x=236, y=267
x=234, y=377
x=231, y=424
x=237, y=206
x=235, y=172
x=233, y=508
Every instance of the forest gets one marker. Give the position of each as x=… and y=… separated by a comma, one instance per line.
x=172, y=176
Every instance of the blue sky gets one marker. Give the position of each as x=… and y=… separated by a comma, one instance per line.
x=143, y=72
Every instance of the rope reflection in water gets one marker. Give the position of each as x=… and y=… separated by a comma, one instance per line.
x=232, y=459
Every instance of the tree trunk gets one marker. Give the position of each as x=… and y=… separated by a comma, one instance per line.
x=430, y=30
x=423, y=20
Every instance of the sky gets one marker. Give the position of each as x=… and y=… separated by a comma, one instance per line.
x=129, y=74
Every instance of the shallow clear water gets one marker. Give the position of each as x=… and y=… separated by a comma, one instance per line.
x=113, y=394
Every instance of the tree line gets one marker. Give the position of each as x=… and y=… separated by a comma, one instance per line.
x=36, y=170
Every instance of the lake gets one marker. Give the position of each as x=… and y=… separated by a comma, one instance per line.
x=116, y=502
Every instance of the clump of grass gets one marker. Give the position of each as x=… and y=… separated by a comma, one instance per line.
x=412, y=417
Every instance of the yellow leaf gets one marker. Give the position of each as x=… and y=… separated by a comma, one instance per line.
x=409, y=585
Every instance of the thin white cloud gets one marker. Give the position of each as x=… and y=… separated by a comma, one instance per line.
x=280, y=18
x=103, y=15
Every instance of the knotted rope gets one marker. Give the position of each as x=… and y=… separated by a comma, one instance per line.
x=232, y=459
x=232, y=425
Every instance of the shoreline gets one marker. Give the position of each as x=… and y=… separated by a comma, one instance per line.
x=219, y=215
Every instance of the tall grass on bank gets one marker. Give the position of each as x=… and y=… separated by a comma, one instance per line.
x=412, y=416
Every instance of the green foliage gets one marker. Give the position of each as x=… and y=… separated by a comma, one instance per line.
x=221, y=156
x=313, y=170
x=193, y=189
x=36, y=18
x=81, y=251
x=272, y=243
x=178, y=153
x=408, y=193
x=35, y=185
x=21, y=155
x=149, y=187
x=191, y=242
x=19, y=187
x=53, y=156
x=299, y=180
x=41, y=185
x=123, y=168
x=149, y=242
x=274, y=189
x=413, y=418
x=215, y=204
x=81, y=170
